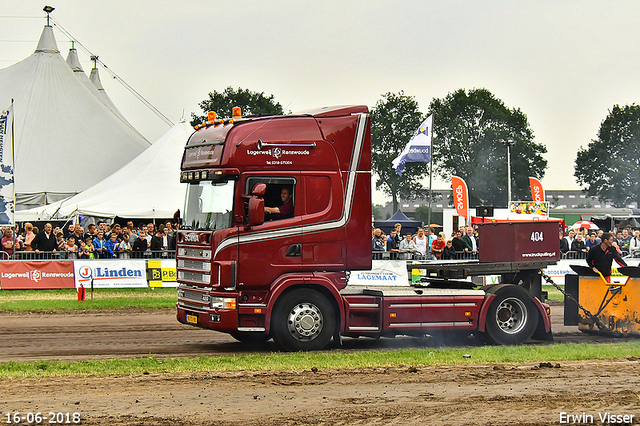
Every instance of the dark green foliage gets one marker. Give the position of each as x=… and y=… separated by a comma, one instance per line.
x=394, y=119
x=609, y=167
x=470, y=131
x=252, y=104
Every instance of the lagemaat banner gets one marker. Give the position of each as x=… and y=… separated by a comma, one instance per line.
x=162, y=273
x=111, y=273
x=17, y=275
x=382, y=273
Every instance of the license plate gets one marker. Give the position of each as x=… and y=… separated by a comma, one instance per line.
x=192, y=318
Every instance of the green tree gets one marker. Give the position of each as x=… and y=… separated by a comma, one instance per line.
x=376, y=211
x=609, y=167
x=251, y=103
x=394, y=119
x=471, y=130
x=422, y=214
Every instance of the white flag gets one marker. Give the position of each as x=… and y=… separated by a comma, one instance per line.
x=7, y=195
x=418, y=150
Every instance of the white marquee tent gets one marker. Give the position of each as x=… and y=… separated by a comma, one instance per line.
x=147, y=187
x=60, y=125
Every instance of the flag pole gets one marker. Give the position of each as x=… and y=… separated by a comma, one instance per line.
x=430, y=180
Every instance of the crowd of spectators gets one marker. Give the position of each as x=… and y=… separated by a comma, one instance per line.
x=100, y=241
x=576, y=245
x=424, y=244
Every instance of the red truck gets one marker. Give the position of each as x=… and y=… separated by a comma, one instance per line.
x=251, y=270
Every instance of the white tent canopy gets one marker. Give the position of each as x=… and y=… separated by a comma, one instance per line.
x=147, y=187
x=59, y=122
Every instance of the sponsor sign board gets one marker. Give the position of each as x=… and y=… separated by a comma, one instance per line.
x=111, y=273
x=382, y=273
x=162, y=273
x=20, y=275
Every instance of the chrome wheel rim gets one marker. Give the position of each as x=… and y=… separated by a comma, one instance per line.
x=511, y=315
x=305, y=321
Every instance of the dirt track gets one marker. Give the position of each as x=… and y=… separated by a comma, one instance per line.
x=527, y=394
x=469, y=395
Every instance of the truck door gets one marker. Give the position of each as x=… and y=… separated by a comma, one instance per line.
x=274, y=248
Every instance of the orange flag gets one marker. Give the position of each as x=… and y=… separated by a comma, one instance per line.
x=460, y=196
x=537, y=191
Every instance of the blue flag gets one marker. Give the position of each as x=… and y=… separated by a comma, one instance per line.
x=418, y=150
x=6, y=167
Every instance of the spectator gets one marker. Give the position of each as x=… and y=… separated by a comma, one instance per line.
x=564, y=244
x=45, y=241
x=9, y=243
x=470, y=242
x=61, y=244
x=570, y=238
x=457, y=243
x=69, y=230
x=128, y=230
x=99, y=245
x=579, y=247
x=407, y=247
x=634, y=244
x=591, y=241
x=112, y=245
x=28, y=236
x=437, y=248
x=449, y=251
x=140, y=245
x=88, y=248
x=421, y=242
x=393, y=245
x=91, y=232
x=398, y=229
x=71, y=248
x=625, y=241
x=171, y=234
x=125, y=247
x=78, y=234
x=376, y=241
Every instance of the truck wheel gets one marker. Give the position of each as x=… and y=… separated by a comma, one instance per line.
x=512, y=316
x=252, y=338
x=303, y=320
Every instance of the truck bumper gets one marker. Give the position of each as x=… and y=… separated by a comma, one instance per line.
x=225, y=320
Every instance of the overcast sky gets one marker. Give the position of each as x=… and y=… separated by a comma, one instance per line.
x=563, y=63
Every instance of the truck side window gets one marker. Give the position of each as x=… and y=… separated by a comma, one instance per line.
x=279, y=198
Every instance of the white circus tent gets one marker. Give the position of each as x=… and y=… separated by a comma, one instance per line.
x=146, y=187
x=66, y=138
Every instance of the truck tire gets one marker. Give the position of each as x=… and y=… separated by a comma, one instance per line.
x=512, y=317
x=303, y=320
x=250, y=337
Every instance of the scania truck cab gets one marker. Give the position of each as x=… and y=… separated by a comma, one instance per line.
x=246, y=268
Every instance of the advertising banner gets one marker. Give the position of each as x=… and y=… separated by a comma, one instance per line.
x=537, y=191
x=418, y=150
x=6, y=167
x=162, y=273
x=20, y=275
x=460, y=196
x=382, y=273
x=111, y=273
x=529, y=207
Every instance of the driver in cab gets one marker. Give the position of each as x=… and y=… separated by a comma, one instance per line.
x=285, y=210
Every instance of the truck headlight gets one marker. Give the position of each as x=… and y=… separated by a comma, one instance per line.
x=223, y=302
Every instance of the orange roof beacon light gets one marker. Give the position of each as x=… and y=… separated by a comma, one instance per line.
x=211, y=116
x=237, y=113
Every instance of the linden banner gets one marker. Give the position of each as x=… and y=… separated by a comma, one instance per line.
x=382, y=273
x=111, y=273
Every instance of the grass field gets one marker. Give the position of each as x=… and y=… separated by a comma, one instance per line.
x=103, y=299
x=554, y=294
x=325, y=360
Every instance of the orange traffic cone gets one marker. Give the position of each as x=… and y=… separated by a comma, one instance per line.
x=81, y=293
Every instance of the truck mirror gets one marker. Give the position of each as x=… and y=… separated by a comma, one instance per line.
x=256, y=210
x=259, y=189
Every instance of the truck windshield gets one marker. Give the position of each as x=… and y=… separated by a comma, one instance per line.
x=209, y=205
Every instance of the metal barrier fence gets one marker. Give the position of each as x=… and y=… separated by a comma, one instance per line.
x=390, y=255
x=49, y=255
